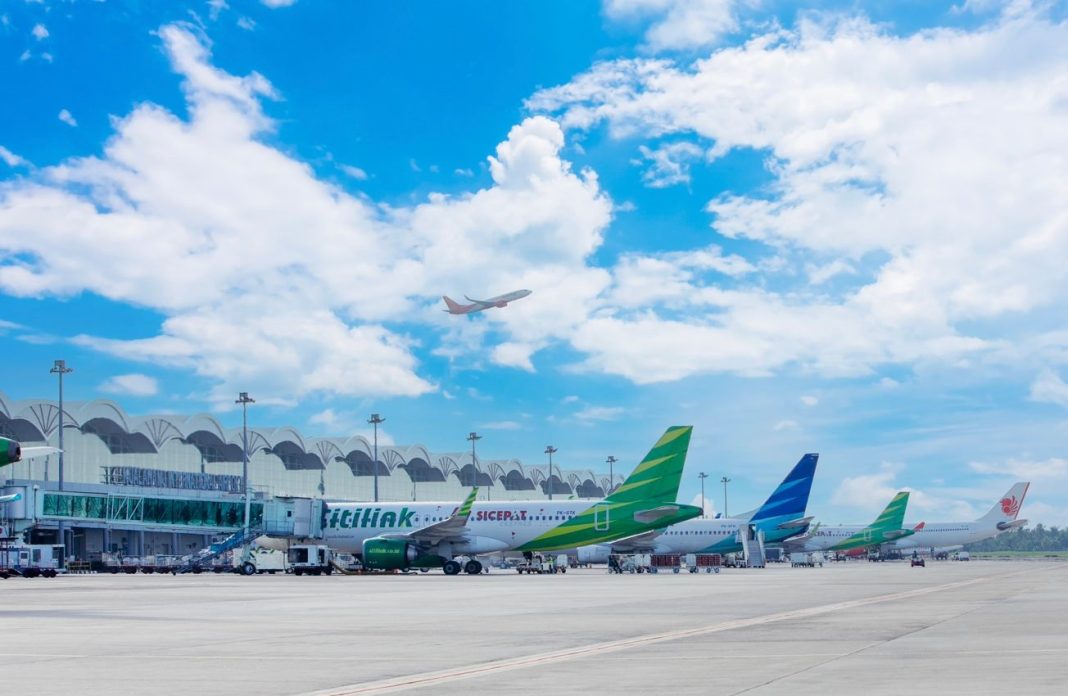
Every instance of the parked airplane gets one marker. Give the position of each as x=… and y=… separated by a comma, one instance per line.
x=12, y=451
x=886, y=527
x=10, y=498
x=781, y=517
x=943, y=537
x=455, y=307
x=404, y=535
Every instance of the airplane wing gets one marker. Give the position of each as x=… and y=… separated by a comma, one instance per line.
x=448, y=529
x=10, y=498
x=638, y=542
x=484, y=304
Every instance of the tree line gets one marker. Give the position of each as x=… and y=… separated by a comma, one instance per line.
x=1037, y=538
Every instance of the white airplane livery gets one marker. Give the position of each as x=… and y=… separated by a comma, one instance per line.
x=398, y=536
x=942, y=537
x=454, y=307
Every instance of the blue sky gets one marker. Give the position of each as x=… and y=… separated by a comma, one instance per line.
x=825, y=227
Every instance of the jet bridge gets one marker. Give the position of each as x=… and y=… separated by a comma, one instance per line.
x=301, y=518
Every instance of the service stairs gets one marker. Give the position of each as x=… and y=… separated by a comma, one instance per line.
x=202, y=557
x=752, y=547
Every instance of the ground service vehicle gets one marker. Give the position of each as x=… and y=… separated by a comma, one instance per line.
x=310, y=559
x=259, y=560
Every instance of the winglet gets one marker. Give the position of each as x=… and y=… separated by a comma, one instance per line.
x=465, y=510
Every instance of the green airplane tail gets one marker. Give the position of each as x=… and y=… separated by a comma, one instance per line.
x=657, y=477
x=893, y=516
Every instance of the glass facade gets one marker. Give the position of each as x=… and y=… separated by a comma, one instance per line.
x=164, y=511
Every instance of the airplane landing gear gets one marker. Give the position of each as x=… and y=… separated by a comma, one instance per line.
x=473, y=567
x=451, y=568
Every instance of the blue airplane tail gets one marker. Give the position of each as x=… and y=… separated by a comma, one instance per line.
x=790, y=499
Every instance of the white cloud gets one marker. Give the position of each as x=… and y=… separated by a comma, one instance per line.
x=678, y=24
x=10, y=158
x=809, y=400
x=669, y=164
x=6, y=325
x=354, y=172
x=709, y=505
x=786, y=425
x=1049, y=387
x=215, y=8
x=25, y=56
x=40, y=32
x=599, y=413
x=327, y=417
x=463, y=172
x=882, y=167
x=66, y=117
x=133, y=384
x=246, y=23
x=208, y=200
x=1025, y=470
x=274, y=4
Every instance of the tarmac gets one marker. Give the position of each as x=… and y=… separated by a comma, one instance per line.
x=978, y=627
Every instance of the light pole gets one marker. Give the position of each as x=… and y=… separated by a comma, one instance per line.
x=725, y=481
x=475, y=437
x=374, y=420
x=702, y=476
x=549, y=449
x=244, y=399
x=59, y=367
x=611, y=479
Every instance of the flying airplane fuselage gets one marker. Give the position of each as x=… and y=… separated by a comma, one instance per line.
x=455, y=307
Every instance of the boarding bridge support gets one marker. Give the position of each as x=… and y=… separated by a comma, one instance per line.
x=752, y=546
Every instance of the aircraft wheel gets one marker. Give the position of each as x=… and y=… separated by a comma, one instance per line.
x=451, y=568
x=473, y=567
x=248, y=569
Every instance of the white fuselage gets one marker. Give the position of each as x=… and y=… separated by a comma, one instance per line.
x=941, y=535
x=826, y=537
x=491, y=527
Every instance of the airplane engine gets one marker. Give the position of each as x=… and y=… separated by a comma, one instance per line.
x=10, y=451
x=592, y=554
x=388, y=554
x=502, y=304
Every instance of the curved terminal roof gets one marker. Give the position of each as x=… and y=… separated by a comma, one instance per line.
x=36, y=420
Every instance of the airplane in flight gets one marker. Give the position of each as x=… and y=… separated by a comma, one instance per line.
x=943, y=537
x=12, y=452
x=455, y=307
x=781, y=517
x=406, y=535
x=887, y=527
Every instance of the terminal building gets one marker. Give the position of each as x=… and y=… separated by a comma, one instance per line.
x=170, y=484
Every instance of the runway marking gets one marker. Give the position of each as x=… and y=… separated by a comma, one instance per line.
x=413, y=681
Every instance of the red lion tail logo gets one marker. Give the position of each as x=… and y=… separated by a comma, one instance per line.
x=1010, y=506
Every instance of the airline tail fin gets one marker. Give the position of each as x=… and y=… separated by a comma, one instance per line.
x=453, y=305
x=791, y=497
x=657, y=477
x=893, y=516
x=1008, y=507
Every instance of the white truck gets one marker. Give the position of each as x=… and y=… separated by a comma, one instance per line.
x=31, y=560
x=255, y=560
x=310, y=559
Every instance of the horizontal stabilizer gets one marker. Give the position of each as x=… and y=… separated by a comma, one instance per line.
x=1004, y=526
x=32, y=452
x=897, y=534
x=654, y=514
x=796, y=524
